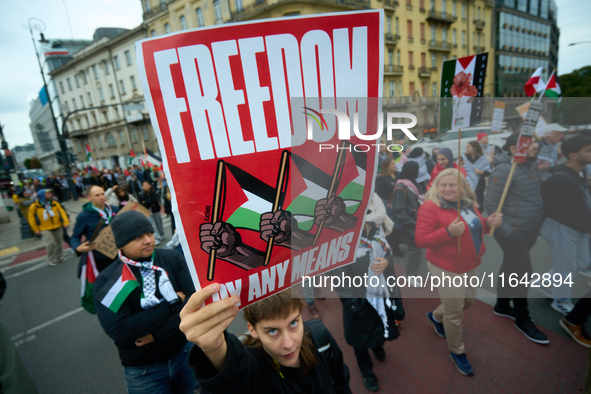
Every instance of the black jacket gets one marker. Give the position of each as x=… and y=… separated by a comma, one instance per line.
x=150, y=201
x=385, y=186
x=405, y=204
x=132, y=322
x=86, y=223
x=567, y=199
x=248, y=370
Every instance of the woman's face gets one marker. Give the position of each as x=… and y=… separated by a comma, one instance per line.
x=469, y=149
x=442, y=160
x=146, y=187
x=281, y=338
x=448, y=188
x=392, y=167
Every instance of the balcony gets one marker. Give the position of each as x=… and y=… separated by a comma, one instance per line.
x=479, y=24
x=436, y=16
x=439, y=46
x=390, y=69
x=262, y=8
x=391, y=38
x=424, y=72
x=479, y=49
x=391, y=4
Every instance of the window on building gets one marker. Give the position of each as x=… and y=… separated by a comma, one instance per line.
x=133, y=135
x=444, y=57
x=464, y=38
x=145, y=133
x=218, y=10
x=400, y=88
x=167, y=28
x=410, y=59
x=454, y=37
x=79, y=124
x=390, y=56
x=110, y=140
x=423, y=59
x=122, y=137
x=117, y=62
x=397, y=26
x=122, y=87
x=69, y=83
x=84, y=78
x=238, y=5
x=432, y=5
x=463, y=11
x=422, y=5
x=153, y=33
x=106, y=116
x=77, y=80
x=478, y=13
x=67, y=106
x=392, y=89
x=82, y=101
x=183, y=21
x=95, y=71
x=454, y=8
x=99, y=142
x=147, y=5
x=128, y=58
x=422, y=26
x=443, y=8
x=411, y=88
x=89, y=99
x=444, y=34
x=433, y=60
x=424, y=91
x=112, y=90
x=74, y=104
x=133, y=85
x=409, y=3
x=101, y=94
x=106, y=67
x=389, y=24
x=200, y=21
x=95, y=120
x=398, y=57
x=116, y=109
x=62, y=87
x=435, y=93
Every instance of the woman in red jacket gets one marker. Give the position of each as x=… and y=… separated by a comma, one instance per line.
x=445, y=159
x=437, y=230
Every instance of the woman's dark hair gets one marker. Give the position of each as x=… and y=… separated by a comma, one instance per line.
x=477, y=149
x=385, y=167
x=120, y=192
x=279, y=306
x=410, y=171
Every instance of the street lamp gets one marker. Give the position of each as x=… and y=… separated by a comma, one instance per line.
x=580, y=42
x=38, y=25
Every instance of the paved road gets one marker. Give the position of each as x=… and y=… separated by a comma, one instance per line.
x=66, y=351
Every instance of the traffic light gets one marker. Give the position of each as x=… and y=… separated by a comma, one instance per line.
x=59, y=157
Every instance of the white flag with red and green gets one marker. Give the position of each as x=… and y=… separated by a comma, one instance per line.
x=114, y=293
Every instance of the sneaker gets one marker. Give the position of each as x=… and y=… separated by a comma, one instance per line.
x=578, y=333
x=563, y=307
x=438, y=326
x=62, y=259
x=52, y=263
x=505, y=312
x=370, y=381
x=531, y=332
x=314, y=314
x=380, y=353
x=462, y=364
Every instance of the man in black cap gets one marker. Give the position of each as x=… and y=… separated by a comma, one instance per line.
x=522, y=218
x=138, y=299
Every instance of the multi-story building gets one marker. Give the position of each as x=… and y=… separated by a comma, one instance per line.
x=418, y=35
x=526, y=39
x=102, y=99
x=22, y=153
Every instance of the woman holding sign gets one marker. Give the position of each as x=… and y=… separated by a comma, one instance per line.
x=438, y=227
x=281, y=354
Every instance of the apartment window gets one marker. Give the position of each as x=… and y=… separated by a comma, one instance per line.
x=397, y=26
x=167, y=28
x=116, y=113
x=238, y=5
x=389, y=24
x=409, y=28
x=433, y=60
x=69, y=83
x=84, y=78
x=410, y=59
x=112, y=90
x=62, y=87
x=423, y=59
x=95, y=71
x=74, y=104
x=110, y=140
x=478, y=13
x=106, y=67
x=106, y=116
x=77, y=80
x=145, y=133
x=454, y=9
x=411, y=88
x=400, y=88
x=117, y=63
x=464, y=38
x=444, y=57
x=122, y=86
x=390, y=56
x=432, y=5
x=455, y=37
x=422, y=26
x=218, y=10
x=392, y=89
x=409, y=3
x=101, y=94
x=443, y=9
x=398, y=57
x=67, y=106
x=134, y=135
x=82, y=101
x=464, y=11
x=133, y=85
x=128, y=58
x=95, y=120
x=422, y=5
x=122, y=137
x=153, y=33
x=424, y=91
x=435, y=89
x=99, y=142
x=200, y=21
x=147, y=5
x=444, y=34
x=183, y=21
x=89, y=99
x=79, y=124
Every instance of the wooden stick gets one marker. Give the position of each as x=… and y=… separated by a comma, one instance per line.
x=504, y=196
x=459, y=180
x=333, y=186
x=214, y=216
x=281, y=182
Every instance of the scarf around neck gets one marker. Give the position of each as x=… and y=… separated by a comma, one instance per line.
x=106, y=214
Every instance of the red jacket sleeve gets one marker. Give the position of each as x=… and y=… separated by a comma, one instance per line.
x=429, y=232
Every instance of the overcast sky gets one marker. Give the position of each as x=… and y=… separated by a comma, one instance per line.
x=20, y=80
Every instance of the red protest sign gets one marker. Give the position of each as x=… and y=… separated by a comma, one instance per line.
x=527, y=131
x=258, y=203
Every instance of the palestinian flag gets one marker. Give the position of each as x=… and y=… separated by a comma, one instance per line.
x=250, y=198
x=117, y=289
x=553, y=88
x=88, y=152
x=151, y=159
x=462, y=88
x=87, y=277
x=131, y=156
x=535, y=83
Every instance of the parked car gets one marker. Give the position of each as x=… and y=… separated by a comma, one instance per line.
x=450, y=139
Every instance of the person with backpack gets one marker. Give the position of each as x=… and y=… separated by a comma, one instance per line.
x=48, y=215
x=279, y=356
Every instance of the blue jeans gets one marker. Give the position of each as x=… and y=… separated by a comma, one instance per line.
x=173, y=376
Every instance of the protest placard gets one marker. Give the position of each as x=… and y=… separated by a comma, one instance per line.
x=258, y=203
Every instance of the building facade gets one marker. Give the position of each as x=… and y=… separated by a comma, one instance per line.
x=102, y=99
x=526, y=39
x=22, y=153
